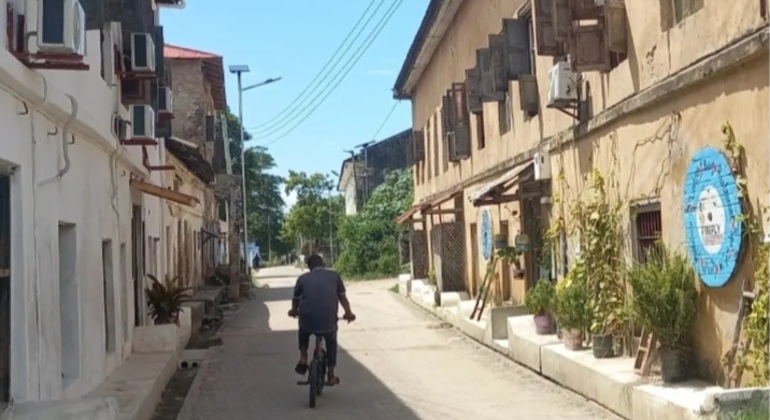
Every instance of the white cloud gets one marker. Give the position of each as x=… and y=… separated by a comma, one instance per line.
x=290, y=199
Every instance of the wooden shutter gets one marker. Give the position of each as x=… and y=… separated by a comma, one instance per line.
x=94, y=10
x=418, y=145
x=585, y=9
x=588, y=49
x=211, y=124
x=486, y=82
x=472, y=93
x=562, y=20
x=545, y=29
x=497, y=53
x=447, y=109
x=616, y=21
x=462, y=123
x=517, y=48
x=160, y=68
x=528, y=94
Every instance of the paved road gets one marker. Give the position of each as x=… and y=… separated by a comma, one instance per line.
x=396, y=362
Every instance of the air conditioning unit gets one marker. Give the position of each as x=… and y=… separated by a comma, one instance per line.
x=165, y=100
x=542, y=162
x=142, y=122
x=142, y=52
x=562, y=85
x=61, y=27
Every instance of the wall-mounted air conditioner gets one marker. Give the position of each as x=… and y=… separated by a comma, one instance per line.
x=542, y=161
x=165, y=100
x=562, y=85
x=142, y=52
x=61, y=27
x=142, y=122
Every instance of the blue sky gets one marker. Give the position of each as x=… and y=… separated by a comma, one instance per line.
x=293, y=40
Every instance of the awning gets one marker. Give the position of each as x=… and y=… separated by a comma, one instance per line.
x=424, y=206
x=403, y=217
x=501, y=184
x=164, y=193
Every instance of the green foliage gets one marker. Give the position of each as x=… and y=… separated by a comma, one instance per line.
x=572, y=310
x=316, y=211
x=370, y=240
x=165, y=300
x=540, y=300
x=665, y=296
x=598, y=223
x=264, y=200
x=756, y=327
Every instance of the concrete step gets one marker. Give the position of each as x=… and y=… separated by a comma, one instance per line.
x=138, y=384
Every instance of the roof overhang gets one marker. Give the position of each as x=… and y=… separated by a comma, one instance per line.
x=437, y=20
x=346, y=174
x=425, y=207
x=495, y=191
x=164, y=193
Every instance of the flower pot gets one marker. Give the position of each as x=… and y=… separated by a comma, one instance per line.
x=543, y=324
x=573, y=339
x=603, y=346
x=673, y=366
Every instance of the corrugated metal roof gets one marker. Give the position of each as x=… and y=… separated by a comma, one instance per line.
x=173, y=51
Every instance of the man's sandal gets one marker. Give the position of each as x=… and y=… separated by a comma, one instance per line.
x=301, y=368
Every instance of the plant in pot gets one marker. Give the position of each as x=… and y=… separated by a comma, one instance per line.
x=665, y=303
x=165, y=300
x=572, y=309
x=540, y=301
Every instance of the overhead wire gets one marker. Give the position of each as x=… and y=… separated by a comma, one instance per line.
x=385, y=121
x=315, y=83
x=355, y=59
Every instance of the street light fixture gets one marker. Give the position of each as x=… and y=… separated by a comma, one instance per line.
x=239, y=69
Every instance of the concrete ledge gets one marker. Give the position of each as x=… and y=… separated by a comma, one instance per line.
x=196, y=311
x=498, y=317
x=607, y=381
x=184, y=331
x=156, y=338
x=84, y=409
x=138, y=384
x=524, y=344
x=404, y=284
x=449, y=299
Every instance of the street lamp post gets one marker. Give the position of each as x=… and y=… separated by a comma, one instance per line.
x=239, y=70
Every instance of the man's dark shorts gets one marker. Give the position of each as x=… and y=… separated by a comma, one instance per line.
x=330, y=340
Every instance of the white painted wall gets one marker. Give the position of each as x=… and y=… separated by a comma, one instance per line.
x=94, y=195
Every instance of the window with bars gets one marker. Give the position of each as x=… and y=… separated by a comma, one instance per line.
x=648, y=228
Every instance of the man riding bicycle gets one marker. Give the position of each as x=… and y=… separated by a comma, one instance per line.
x=317, y=294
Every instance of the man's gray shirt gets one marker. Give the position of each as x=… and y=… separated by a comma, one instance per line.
x=318, y=292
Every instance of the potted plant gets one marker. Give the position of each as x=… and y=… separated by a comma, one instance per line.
x=665, y=302
x=572, y=311
x=540, y=301
x=165, y=301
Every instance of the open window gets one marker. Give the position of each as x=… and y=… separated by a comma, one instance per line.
x=599, y=41
x=457, y=134
x=418, y=145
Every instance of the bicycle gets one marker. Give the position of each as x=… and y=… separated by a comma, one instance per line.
x=316, y=374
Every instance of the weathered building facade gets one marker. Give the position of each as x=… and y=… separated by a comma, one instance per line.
x=192, y=232
x=516, y=104
x=363, y=172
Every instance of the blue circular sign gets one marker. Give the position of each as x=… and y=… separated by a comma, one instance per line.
x=486, y=234
x=712, y=217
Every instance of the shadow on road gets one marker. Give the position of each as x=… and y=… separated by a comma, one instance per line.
x=256, y=373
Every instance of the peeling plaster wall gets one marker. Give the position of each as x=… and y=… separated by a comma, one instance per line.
x=645, y=164
x=92, y=196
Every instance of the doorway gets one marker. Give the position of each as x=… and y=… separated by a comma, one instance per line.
x=137, y=262
x=474, y=259
x=5, y=288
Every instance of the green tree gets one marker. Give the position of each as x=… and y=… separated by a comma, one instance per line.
x=370, y=240
x=265, y=205
x=315, y=213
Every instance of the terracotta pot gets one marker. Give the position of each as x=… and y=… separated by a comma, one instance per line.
x=573, y=339
x=543, y=324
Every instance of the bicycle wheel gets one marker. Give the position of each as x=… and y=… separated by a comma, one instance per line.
x=313, y=375
x=322, y=373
